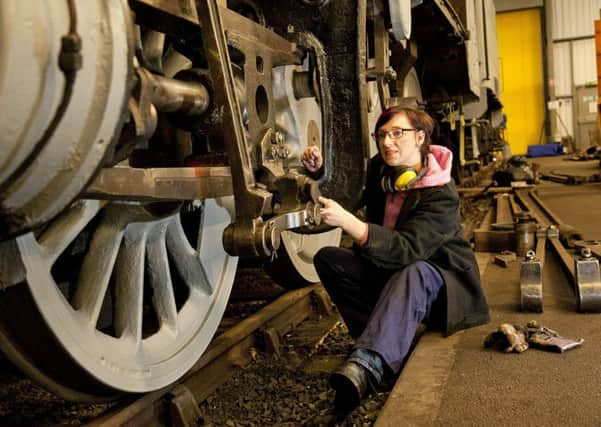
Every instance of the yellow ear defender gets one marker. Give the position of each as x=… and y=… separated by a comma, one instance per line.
x=401, y=179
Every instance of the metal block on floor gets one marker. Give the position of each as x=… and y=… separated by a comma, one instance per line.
x=505, y=258
x=531, y=275
x=531, y=283
x=588, y=280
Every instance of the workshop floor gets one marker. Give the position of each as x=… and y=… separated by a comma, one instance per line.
x=456, y=382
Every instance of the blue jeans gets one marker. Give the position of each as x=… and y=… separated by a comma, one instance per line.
x=382, y=308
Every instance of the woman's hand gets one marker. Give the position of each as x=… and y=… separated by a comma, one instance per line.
x=312, y=159
x=335, y=215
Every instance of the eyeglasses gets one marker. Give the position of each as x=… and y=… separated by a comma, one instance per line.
x=394, y=134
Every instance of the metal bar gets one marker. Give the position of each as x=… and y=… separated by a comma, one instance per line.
x=566, y=259
x=251, y=201
x=447, y=10
x=524, y=197
x=215, y=45
x=242, y=31
x=189, y=183
x=503, y=214
x=545, y=209
x=171, y=95
x=515, y=208
x=483, y=190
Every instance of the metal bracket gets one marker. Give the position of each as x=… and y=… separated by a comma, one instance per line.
x=588, y=281
x=584, y=273
x=251, y=201
x=531, y=275
x=265, y=237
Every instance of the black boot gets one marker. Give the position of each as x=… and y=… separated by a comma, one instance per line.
x=352, y=382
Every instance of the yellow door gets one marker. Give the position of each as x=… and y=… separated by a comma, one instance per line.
x=520, y=51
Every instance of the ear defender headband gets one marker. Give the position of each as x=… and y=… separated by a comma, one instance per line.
x=401, y=178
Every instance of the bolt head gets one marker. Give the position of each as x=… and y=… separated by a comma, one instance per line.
x=586, y=252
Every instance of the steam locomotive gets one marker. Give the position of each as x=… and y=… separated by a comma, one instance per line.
x=147, y=145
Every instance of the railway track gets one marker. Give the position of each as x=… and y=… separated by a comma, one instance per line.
x=178, y=404
x=271, y=367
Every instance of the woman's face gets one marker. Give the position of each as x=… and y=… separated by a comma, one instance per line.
x=399, y=142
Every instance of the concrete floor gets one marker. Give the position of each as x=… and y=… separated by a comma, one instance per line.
x=454, y=381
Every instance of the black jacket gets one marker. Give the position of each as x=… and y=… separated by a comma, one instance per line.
x=428, y=228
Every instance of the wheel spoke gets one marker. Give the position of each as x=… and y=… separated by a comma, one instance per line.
x=96, y=270
x=129, y=287
x=160, y=277
x=66, y=227
x=187, y=260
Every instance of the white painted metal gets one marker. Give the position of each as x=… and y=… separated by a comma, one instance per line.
x=584, y=60
x=132, y=246
x=573, y=57
x=573, y=18
x=473, y=55
x=31, y=88
x=294, y=119
x=301, y=248
x=411, y=97
x=585, y=111
x=491, y=76
x=562, y=69
x=374, y=109
x=400, y=17
x=563, y=117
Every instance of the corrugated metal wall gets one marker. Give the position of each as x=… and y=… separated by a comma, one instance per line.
x=574, y=64
x=572, y=18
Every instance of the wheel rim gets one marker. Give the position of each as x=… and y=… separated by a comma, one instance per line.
x=143, y=261
x=293, y=266
x=301, y=249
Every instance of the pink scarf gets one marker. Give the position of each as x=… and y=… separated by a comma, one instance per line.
x=394, y=203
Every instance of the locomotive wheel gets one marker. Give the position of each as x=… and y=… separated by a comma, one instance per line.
x=293, y=266
x=142, y=305
x=300, y=120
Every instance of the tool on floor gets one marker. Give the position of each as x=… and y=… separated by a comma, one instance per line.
x=515, y=338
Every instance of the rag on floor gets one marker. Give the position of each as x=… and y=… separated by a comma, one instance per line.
x=515, y=338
